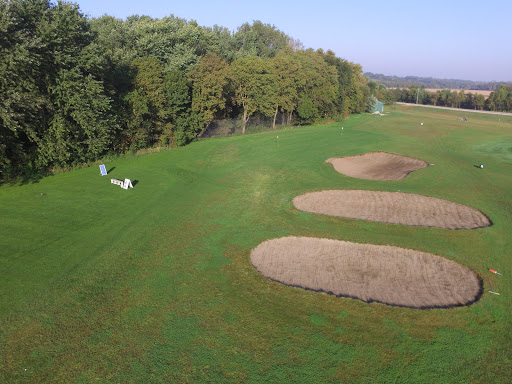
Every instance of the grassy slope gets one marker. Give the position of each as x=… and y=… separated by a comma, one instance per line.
x=154, y=284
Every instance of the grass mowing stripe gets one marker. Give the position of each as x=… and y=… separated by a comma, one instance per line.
x=155, y=284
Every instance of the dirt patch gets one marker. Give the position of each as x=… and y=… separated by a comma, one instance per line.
x=377, y=166
x=372, y=273
x=392, y=207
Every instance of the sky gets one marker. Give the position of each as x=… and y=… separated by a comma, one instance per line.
x=450, y=39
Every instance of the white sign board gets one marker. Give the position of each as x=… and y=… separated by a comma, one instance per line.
x=123, y=184
x=127, y=184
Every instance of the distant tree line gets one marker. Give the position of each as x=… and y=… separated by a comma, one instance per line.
x=499, y=100
x=429, y=82
x=73, y=89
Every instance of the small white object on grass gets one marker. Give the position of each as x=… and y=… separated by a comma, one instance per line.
x=481, y=166
x=421, y=123
x=123, y=184
x=127, y=184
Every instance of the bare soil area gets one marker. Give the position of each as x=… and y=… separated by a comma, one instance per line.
x=372, y=273
x=392, y=207
x=377, y=166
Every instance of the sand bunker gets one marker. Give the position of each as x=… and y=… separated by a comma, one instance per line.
x=392, y=207
x=384, y=274
x=377, y=166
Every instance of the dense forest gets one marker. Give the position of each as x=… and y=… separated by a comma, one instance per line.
x=74, y=89
x=429, y=82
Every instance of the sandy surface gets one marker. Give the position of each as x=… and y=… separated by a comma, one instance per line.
x=384, y=274
x=377, y=166
x=392, y=207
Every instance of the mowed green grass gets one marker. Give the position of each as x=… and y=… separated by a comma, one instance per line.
x=155, y=284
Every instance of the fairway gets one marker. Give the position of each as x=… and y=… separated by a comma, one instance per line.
x=155, y=283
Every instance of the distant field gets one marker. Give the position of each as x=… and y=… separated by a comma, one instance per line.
x=155, y=284
x=473, y=91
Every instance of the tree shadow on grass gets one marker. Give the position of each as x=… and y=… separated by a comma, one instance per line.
x=25, y=178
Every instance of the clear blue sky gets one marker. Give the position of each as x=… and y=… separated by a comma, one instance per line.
x=457, y=39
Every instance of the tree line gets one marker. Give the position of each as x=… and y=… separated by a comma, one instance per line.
x=73, y=89
x=499, y=100
x=429, y=82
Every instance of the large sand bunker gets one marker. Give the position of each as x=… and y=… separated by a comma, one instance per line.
x=384, y=274
x=392, y=207
x=377, y=166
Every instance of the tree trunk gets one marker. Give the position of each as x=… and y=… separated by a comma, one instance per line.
x=290, y=115
x=274, y=122
x=244, y=120
x=204, y=129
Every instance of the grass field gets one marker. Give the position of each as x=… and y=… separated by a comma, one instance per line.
x=155, y=285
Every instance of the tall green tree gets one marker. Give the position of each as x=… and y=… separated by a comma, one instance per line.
x=500, y=99
x=255, y=87
x=479, y=101
x=353, y=91
x=177, y=43
x=210, y=82
x=82, y=127
x=185, y=124
x=116, y=38
x=55, y=110
x=289, y=80
x=149, y=112
x=23, y=103
x=320, y=86
x=258, y=39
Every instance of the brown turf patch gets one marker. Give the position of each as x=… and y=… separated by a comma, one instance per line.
x=377, y=166
x=385, y=274
x=392, y=207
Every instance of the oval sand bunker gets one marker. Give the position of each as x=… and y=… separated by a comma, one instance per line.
x=392, y=207
x=377, y=166
x=385, y=274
